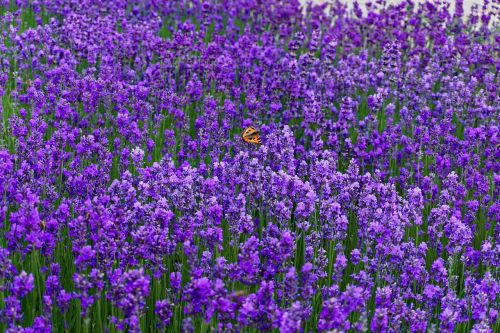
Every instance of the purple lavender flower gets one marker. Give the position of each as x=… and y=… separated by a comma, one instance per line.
x=163, y=310
x=22, y=284
x=129, y=291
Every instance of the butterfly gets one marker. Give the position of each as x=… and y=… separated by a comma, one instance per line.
x=251, y=135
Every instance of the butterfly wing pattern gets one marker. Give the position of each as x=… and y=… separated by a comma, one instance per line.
x=251, y=135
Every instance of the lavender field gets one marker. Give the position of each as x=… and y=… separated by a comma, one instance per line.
x=249, y=166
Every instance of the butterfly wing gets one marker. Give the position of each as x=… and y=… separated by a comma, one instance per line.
x=251, y=135
x=249, y=131
x=254, y=140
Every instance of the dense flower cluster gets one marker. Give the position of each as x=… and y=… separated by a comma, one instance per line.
x=130, y=202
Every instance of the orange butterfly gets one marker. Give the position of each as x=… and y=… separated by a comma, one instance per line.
x=251, y=135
